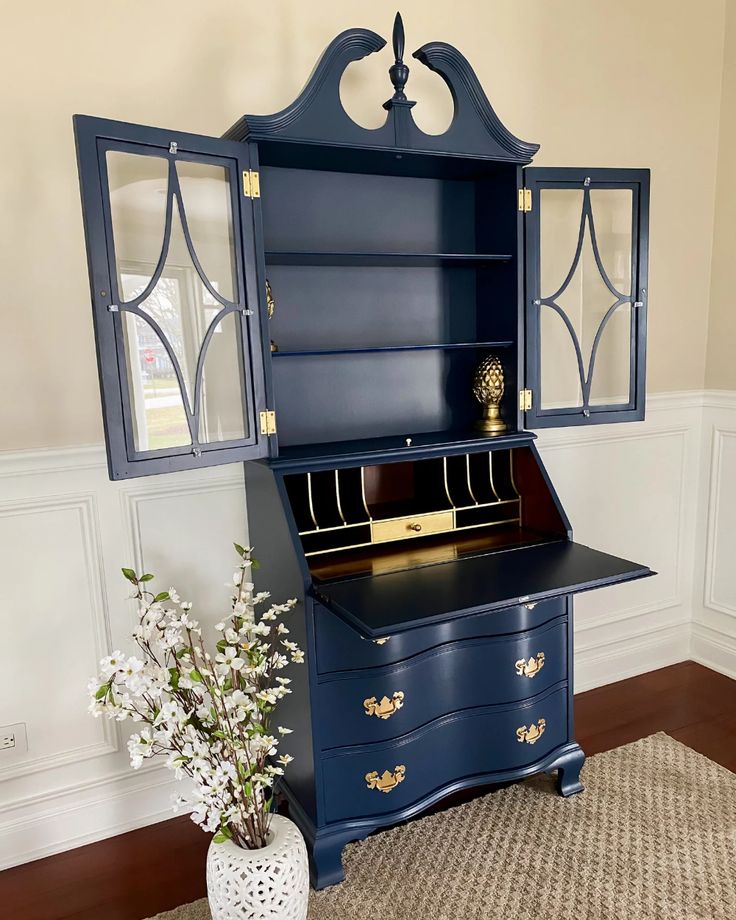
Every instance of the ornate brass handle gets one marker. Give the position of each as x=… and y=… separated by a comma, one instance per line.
x=387, y=781
x=533, y=733
x=381, y=641
x=530, y=668
x=415, y=527
x=386, y=708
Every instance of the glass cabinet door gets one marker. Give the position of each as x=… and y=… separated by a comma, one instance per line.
x=170, y=240
x=586, y=295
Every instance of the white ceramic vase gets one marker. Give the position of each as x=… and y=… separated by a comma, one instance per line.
x=267, y=884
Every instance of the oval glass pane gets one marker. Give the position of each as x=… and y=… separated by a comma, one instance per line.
x=156, y=405
x=612, y=371
x=222, y=415
x=206, y=194
x=137, y=186
x=560, y=378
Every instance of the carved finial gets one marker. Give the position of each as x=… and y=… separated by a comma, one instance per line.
x=398, y=39
x=399, y=72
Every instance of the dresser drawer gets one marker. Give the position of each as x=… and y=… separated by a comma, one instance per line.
x=385, y=778
x=341, y=648
x=387, y=702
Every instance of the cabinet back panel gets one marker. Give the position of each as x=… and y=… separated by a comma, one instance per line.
x=348, y=306
x=319, y=210
x=370, y=395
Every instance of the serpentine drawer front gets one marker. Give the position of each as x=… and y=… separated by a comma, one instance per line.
x=386, y=702
x=341, y=648
x=383, y=778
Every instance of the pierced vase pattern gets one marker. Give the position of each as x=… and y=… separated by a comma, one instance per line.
x=267, y=884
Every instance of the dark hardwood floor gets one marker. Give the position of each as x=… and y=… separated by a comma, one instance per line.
x=157, y=868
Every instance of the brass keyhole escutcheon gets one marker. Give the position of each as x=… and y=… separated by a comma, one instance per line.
x=415, y=527
x=386, y=707
x=386, y=781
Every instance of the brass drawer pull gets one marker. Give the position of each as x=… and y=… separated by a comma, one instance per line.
x=387, y=781
x=533, y=733
x=386, y=708
x=382, y=641
x=415, y=527
x=530, y=668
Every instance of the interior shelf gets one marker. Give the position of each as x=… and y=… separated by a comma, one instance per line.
x=318, y=352
x=410, y=259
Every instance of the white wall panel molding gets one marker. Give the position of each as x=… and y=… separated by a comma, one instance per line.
x=76, y=518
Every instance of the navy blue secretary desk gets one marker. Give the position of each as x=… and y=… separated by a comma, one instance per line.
x=316, y=298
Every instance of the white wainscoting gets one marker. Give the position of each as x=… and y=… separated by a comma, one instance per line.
x=660, y=491
x=714, y=610
x=65, y=531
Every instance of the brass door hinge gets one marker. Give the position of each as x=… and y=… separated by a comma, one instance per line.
x=268, y=422
x=525, y=400
x=251, y=184
x=525, y=199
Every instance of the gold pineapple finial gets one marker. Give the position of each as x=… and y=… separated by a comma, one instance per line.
x=488, y=387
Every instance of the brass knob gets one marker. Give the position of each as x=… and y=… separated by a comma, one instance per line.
x=415, y=527
x=386, y=782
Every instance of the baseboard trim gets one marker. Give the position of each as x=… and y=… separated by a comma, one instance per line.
x=714, y=649
x=618, y=659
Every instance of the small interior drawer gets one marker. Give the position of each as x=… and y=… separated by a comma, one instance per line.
x=418, y=525
x=342, y=648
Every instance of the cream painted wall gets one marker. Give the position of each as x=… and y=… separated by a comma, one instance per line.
x=720, y=365
x=624, y=84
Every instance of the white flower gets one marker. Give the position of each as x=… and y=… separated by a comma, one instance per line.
x=229, y=658
x=111, y=664
x=285, y=759
x=174, y=596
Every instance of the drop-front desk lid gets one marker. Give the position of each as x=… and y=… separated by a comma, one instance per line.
x=384, y=604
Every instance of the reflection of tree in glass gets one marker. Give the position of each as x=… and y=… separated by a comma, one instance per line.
x=164, y=306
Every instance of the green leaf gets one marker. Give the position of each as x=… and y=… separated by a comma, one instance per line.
x=146, y=578
x=255, y=565
x=221, y=645
x=225, y=830
x=240, y=550
x=102, y=692
x=161, y=596
x=219, y=734
x=219, y=838
x=130, y=575
x=196, y=676
x=181, y=652
x=227, y=684
x=174, y=678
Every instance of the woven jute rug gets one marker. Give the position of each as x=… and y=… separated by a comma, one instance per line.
x=653, y=836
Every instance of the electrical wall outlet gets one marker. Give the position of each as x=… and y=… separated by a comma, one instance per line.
x=13, y=739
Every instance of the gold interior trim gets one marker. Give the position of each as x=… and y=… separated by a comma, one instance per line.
x=311, y=503
x=530, y=667
x=337, y=496
x=386, y=707
x=532, y=733
x=467, y=477
x=387, y=781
